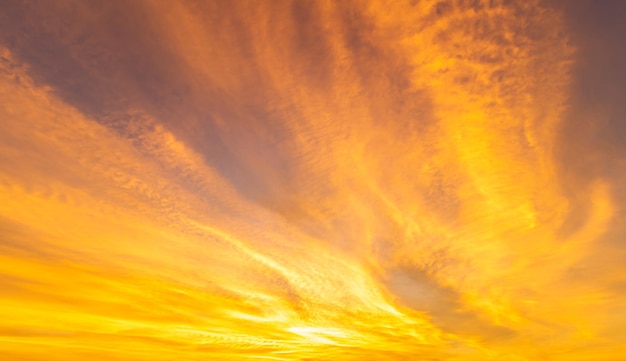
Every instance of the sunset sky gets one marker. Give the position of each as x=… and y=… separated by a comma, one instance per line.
x=312, y=180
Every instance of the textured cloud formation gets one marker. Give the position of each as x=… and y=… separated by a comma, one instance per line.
x=303, y=180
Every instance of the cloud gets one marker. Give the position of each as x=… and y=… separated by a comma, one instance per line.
x=298, y=180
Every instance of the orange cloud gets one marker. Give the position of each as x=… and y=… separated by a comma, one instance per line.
x=296, y=180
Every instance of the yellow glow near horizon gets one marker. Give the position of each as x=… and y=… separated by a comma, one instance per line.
x=338, y=181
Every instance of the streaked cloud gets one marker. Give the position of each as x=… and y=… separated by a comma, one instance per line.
x=304, y=180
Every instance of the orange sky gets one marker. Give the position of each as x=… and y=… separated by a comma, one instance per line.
x=308, y=180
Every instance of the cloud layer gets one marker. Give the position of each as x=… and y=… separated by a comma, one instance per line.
x=303, y=180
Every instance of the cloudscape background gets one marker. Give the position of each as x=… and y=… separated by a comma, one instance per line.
x=312, y=180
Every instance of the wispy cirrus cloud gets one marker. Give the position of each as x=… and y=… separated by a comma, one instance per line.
x=300, y=180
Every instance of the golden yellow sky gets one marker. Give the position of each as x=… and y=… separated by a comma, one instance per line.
x=310, y=180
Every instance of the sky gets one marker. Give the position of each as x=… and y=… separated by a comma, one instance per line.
x=312, y=180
